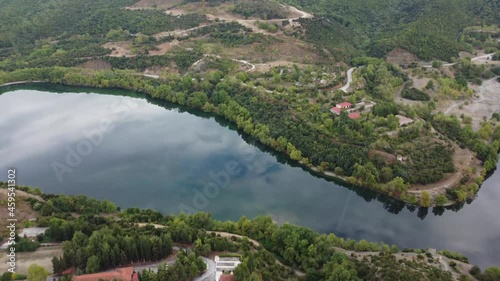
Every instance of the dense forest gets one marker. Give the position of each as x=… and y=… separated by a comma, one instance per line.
x=94, y=243
x=429, y=29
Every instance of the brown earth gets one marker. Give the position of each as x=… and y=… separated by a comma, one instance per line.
x=486, y=102
x=23, y=210
x=388, y=158
x=163, y=48
x=42, y=257
x=155, y=4
x=278, y=53
x=119, y=49
x=96, y=65
x=400, y=57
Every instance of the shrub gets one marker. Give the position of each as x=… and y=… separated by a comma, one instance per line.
x=454, y=255
x=415, y=94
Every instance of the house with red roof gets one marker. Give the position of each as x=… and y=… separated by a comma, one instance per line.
x=120, y=274
x=336, y=110
x=227, y=277
x=344, y=105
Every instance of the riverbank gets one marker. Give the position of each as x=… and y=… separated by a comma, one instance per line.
x=209, y=229
x=20, y=83
x=415, y=197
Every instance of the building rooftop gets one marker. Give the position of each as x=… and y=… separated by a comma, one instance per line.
x=336, y=110
x=344, y=104
x=120, y=274
x=33, y=231
x=227, y=277
x=354, y=115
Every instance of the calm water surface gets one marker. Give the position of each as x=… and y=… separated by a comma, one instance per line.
x=115, y=145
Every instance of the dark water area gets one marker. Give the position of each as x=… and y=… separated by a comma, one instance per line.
x=138, y=152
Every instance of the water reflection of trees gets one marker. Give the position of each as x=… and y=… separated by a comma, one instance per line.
x=391, y=205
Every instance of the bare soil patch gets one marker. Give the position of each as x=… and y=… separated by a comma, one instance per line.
x=119, y=49
x=486, y=103
x=284, y=52
x=420, y=82
x=265, y=67
x=401, y=57
x=155, y=4
x=388, y=158
x=42, y=257
x=96, y=65
x=163, y=48
x=462, y=158
x=23, y=212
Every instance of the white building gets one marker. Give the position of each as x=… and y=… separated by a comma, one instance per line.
x=32, y=231
x=225, y=265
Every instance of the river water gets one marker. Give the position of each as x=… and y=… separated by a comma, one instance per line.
x=137, y=152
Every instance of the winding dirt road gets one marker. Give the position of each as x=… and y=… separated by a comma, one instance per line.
x=472, y=59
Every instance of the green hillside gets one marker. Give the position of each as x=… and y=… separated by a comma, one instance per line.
x=429, y=29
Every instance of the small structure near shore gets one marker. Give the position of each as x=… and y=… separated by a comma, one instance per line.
x=225, y=266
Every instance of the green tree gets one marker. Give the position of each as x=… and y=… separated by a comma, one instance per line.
x=6, y=276
x=441, y=200
x=92, y=265
x=491, y=274
x=437, y=64
x=425, y=201
x=37, y=273
x=386, y=174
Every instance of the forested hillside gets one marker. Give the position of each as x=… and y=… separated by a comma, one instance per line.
x=78, y=28
x=429, y=29
x=276, y=72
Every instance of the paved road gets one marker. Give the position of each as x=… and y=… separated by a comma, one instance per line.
x=209, y=274
x=349, y=80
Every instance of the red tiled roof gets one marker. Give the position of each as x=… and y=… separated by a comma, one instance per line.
x=344, y=104
x=120, y=274
x=336, y=110
x=354, y=115
x=67, y=271
x=227, y=277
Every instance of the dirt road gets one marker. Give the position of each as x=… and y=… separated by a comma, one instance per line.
x=478, y=58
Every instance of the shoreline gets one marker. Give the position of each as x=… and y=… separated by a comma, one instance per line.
x=314, y=169
x=22, y=82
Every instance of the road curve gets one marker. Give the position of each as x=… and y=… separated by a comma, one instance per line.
x=209, y=274
x=349, y=80
x=453, y=63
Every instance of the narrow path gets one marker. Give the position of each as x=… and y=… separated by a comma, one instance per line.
x=179, y=32
x=252, y=66
x=209, y=273
x=472, y=59
x=152, y=76
x=349, y=80
x=19, y=83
